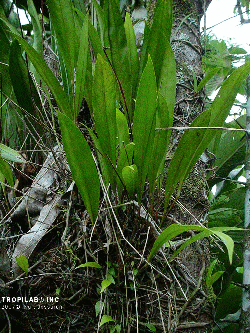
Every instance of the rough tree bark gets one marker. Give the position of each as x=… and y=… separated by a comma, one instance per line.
x=192, y=206
x=245, y=315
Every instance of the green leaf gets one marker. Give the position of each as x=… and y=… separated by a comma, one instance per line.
x=144, y=122
x=208, y=76
x=81, y=164
x=175, y=229
x=2, y=179
x=5, y=170
x=110, y=278
x=144, y=53
x=125, y=159
x=227, y=240
x=64, y=22
x=23, y=263
x=186, y=154
x=230, y=153
x=151, y=327
x=90, y=264
x=229, y=302
x=104, y=110
x=37, y=31
x=98, y=307
x=130, y=177
x=105, y=284
x=47, y=75
x=4, y=59
x=210, y=271
x=167, y=80
x=194, y=141
x=116, y=328
x=22, y=82
x=102, y=23
x=122, y=129
x=105, y=319
x=80, y=6
x=163, y=120
x=95, y=41
x=37, y=34
x=119, y=50
x=105, y=165
x=7, y=22
x=170, y=232
x=237, y=50
x=160, y=35
x=133, y=59
x=81, y=67
x=10, y=154
x=214, y=278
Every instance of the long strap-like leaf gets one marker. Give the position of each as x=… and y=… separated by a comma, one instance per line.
x=195, y=141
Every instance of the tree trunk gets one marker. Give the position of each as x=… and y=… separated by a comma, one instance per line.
x=245, y=315
x=192, y=206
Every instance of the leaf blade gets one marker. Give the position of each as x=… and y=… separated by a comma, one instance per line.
x=194, y=142
x=104, y=110
x=81, y=68
x=83, y=169
x=6, y=172
x=47, y=76
x=64, y=22
x=144, y=122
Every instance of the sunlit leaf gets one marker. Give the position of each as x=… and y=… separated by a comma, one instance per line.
x=213, y=278
x=218, y=231
x=130, y=177
x=90, y=264
x=105, y=284
x=175, y=229
x=105, y=319
x=23, y=263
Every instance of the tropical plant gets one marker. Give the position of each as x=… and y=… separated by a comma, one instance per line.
x=227, y=194
x=131, y=103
